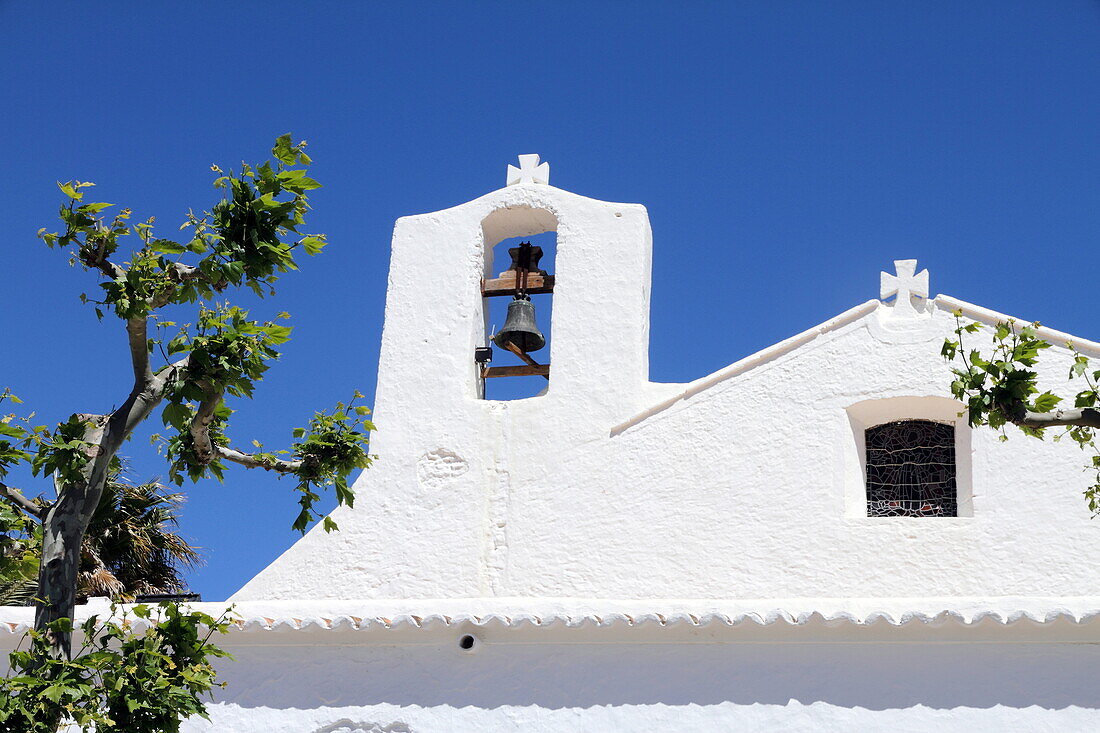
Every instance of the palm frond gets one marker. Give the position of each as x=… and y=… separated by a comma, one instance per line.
x=18, y=591
x=131, y=547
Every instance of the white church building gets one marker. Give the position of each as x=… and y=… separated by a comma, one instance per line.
x=810, y=538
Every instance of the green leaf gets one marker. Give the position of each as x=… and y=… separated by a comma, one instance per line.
x=297, y=180
x=167, y=246
x=178, y=344
x=313, y=245
x=177, y=415
x=284, y=149
x=68, y=190
x=1046, y=402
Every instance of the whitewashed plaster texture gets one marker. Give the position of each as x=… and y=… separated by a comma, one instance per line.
x=701, y=680
x=638, y=556
x=745, y=484
x=452, y=533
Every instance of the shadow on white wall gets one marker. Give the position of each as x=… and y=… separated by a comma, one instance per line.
x=875, y=676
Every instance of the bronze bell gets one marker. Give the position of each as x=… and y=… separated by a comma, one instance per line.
x=520, y=328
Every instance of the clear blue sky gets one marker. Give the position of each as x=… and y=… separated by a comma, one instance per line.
x=786, y=151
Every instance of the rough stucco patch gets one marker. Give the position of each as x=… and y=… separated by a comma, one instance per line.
x=436, y=467
x=793, y=716
x=350, y=726
x=496, y=550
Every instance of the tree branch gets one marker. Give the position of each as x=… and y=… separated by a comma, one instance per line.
x=141, y=403
x=200, y=426
x=1088, y=417
x=101, y=263
x=137, y=329
x=182, y=273
x=251, y=461
x=175, y=366
x=15, y=496
x=206, y=450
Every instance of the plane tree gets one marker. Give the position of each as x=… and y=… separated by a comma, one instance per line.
x=189, y=372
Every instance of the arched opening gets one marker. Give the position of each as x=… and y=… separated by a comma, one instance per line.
x=520, y=385
x=517, y=303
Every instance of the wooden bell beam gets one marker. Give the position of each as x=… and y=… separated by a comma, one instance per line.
x=519, y=370
x=524, y=356
x=506, y=284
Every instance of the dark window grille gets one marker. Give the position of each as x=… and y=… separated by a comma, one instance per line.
x=911, y=470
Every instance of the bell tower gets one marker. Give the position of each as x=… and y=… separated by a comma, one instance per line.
x=441, y=275
x=431, y=514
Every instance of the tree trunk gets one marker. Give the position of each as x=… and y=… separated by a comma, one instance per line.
x=63, y=532
x=67, y=521
x=62, y=535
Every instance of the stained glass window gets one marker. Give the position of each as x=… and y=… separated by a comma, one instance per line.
x=911, y=469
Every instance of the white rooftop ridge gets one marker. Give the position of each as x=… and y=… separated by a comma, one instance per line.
x=941, y=302
x=992, y=317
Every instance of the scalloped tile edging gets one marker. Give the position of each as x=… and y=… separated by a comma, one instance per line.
x=283, y=616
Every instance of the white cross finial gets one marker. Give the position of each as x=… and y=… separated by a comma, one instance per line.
x=905, y=284
x=529, y=171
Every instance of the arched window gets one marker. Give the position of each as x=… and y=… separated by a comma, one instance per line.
x=911, y=469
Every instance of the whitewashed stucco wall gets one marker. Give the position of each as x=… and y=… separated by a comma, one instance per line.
x=606, y=487
x=702, y=680
x=1022, y=664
